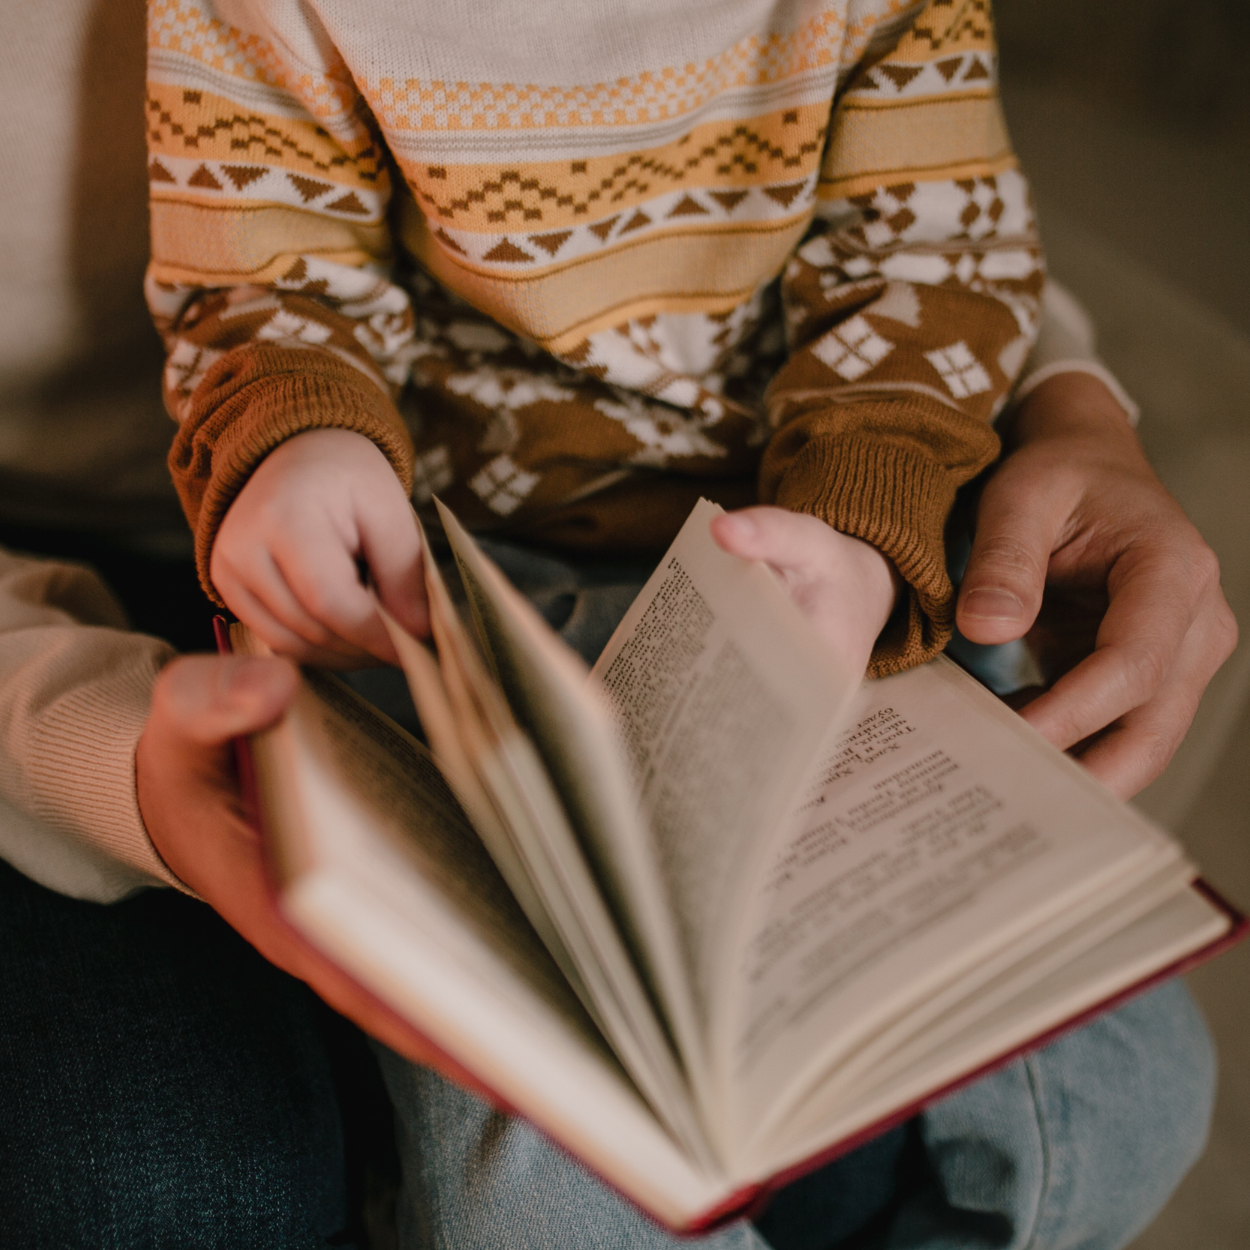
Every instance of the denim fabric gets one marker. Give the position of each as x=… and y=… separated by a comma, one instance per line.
x=161, y=1085
x=1076, y=1147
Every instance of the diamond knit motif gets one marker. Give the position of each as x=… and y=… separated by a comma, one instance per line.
x=852, y=349
x=502, y=485
x=960, y=369
x=431, y=473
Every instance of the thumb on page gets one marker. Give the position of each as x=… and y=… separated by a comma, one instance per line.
x=204, y=701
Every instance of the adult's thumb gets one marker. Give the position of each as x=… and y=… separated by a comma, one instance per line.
x=1001, y=592
x=205, y=700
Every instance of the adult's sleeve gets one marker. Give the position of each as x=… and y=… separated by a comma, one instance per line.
x=75, y=686
x=910, y=310
x=1067, y=343
x=269, y=275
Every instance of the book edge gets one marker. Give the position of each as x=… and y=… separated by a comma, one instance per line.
x=756, y=1198
x=724, y=1211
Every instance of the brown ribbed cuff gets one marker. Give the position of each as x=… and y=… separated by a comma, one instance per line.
x=251, y=401
x=898, y=500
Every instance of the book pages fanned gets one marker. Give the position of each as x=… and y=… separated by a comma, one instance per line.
x=715, y=909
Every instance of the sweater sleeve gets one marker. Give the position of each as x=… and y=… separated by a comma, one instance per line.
x=1066, y=343
x=75, y=686
x=268, y=278
x=910, y=309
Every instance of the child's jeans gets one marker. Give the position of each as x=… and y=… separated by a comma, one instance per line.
x=1076, y=1147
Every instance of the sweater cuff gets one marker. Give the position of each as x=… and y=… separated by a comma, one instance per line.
x=898, y=500
x=251, y=401
x=79, y=760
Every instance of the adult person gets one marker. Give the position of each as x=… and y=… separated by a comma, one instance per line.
x=1076, y=1146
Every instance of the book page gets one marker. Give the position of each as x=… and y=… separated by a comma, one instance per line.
x=456, y=762
x=360, y=772
x=549, y=689
x=724, y=696
x=538, y=852
x=943, y=835
x=1181, y=926
x=378, y=868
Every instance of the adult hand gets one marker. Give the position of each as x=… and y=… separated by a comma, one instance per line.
x=844, y=586
x=285, y=557
x=190, y=802
x=1079, y=547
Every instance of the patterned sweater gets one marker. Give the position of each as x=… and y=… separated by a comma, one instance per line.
x=571, y=265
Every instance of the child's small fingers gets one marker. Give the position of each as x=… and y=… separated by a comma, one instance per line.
x=784, y=539
x=276, y=636
x=270, y=586
x=392, y=548
x=331, y=593
x=251, y=569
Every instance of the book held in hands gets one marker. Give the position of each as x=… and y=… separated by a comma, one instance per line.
x=715, y=910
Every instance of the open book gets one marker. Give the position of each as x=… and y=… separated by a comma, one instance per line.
x=715, y=911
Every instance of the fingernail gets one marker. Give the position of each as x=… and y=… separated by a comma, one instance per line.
x=993, y=604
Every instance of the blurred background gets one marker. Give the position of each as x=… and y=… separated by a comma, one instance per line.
x=1132, y=118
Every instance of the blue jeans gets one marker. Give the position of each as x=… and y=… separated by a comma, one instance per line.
x=1075, y=1147
x=161, y=1085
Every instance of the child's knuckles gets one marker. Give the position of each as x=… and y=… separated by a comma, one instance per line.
x=337, y=610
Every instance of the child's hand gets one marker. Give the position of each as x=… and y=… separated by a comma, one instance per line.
x=285, y=558
x=845, y=586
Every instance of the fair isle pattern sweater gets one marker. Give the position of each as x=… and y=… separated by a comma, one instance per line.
x=571, y=264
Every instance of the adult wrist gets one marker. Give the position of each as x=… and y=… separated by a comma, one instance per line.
x=1067, y=404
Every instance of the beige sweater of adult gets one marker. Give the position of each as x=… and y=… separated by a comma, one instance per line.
x=75, y=685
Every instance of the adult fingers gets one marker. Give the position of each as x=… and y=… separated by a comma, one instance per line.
x=1155, y=596
x=199, y=703
x=391, y=544
x=1137, y=748
x=1018, y=526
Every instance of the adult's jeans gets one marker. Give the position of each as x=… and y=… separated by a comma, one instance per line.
x=161, y=1085
x=1075, y=1147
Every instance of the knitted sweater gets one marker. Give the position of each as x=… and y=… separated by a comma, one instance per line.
x=572, y=264
x=74, y=691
